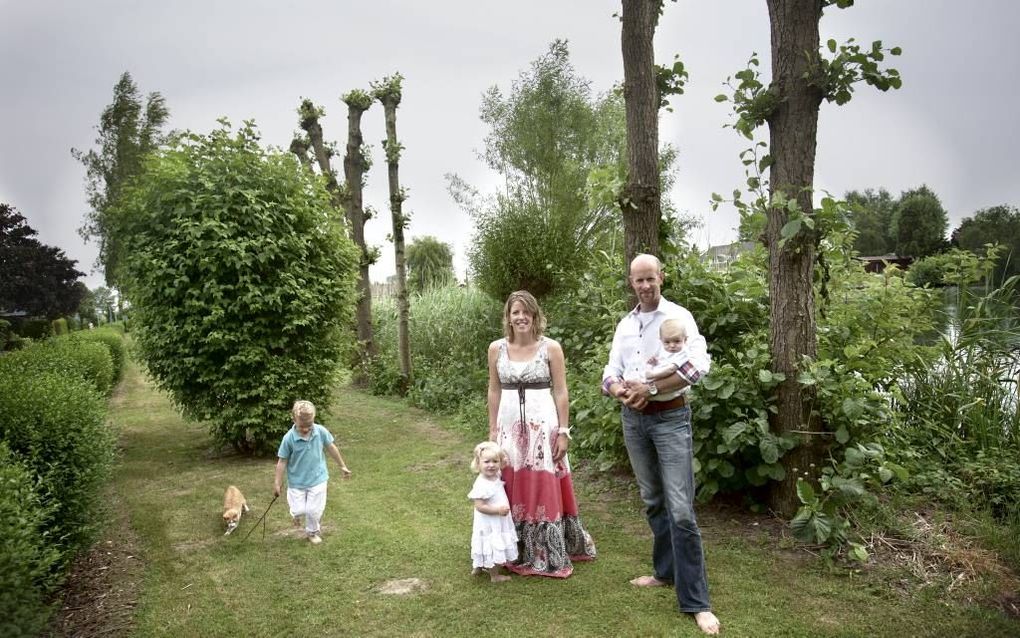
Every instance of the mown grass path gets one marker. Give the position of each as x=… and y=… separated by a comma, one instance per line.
x=405, y=514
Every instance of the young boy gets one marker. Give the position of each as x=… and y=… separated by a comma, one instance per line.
x=302, y=455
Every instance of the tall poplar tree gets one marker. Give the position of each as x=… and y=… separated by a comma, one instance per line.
x=129, y=128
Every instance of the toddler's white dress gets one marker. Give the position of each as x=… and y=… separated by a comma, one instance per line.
x=493, y=537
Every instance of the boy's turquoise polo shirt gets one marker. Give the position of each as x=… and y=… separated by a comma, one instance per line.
x=306, y=458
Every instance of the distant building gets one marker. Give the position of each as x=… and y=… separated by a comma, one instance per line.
x=877, y=263
x=720, y=257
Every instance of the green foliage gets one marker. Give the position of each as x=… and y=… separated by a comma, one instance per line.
x=670, y=80
x=114, y=343
x=850, y=65
x=86, y=361
x=823, y=517
x=451, y=329
x=357, y=99
x=27, y=560
x=55, y=422
x=871, y=215
x=429, y=264
x=990, y=226
x=241, y=282
x=953, y=267
x=59, y=326
x=34, y=278
x=545, y=138
x=919, y=223
x=127, y=133
x=960, y=416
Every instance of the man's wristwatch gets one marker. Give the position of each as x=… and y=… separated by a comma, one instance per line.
x=652, y=390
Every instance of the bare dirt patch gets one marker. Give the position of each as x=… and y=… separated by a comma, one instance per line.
x=103, y=585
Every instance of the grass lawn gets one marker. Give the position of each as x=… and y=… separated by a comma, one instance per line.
x=405, y=515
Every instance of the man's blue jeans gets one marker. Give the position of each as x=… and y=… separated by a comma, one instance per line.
x=661, y=453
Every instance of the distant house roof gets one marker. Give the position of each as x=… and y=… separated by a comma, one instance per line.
x=877, y=263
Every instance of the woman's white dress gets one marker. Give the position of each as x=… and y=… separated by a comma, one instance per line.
x=541, y=491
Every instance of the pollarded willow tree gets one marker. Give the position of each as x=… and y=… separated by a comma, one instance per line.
x=802, y=78
x=347, y=197
x=241, y=280
x=388, y=92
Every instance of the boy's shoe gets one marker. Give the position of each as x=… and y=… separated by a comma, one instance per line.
x=314, y=539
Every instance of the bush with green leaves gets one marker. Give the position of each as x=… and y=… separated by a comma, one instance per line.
x=241, y=282
x=89, y=361
x=56, y=424
x=27, y=557
x=114, y=343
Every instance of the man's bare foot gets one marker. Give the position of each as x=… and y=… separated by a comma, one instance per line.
x=477, y=571
x=648, y=581
x=707, y=622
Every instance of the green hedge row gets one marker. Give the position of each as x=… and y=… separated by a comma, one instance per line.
x=56, y=452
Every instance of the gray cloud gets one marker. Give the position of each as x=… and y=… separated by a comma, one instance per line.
x=952, y=126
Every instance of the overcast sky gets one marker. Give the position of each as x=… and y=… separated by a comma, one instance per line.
x=954, y=125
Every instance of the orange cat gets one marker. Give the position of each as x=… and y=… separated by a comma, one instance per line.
x=233, y=505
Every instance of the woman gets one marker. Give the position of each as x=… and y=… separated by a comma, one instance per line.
x=528, y=418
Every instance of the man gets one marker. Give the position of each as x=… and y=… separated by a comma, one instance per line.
x=657, y=432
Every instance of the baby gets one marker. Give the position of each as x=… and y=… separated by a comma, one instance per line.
x=673, y=353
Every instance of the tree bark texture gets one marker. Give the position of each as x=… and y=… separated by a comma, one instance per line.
x=793, y=128
x=353, y=203
x=640, y=200
x=390, y=102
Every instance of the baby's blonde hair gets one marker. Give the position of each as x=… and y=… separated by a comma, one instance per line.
x=304, y=412
x=672, y=329
x=488, y=446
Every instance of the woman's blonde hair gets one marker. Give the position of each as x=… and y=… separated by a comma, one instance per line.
x=304, y=412
x=531, y=305
x=488, y=446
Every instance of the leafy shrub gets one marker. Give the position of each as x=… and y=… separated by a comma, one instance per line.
x=34, y=328
x=56, y=424
x=27, y=559
x=241, y=279
x=113, y=341
x=85, y=360
x=59, y=326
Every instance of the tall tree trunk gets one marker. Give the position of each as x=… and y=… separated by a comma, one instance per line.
x=793, y=128
x=389, y=94
x=640, y=199
x=355, y=166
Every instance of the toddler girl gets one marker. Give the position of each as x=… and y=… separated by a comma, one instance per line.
x=493, y=536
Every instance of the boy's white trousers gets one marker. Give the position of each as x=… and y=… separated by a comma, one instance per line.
x=308, y=502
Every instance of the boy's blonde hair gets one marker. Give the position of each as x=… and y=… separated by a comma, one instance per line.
x=304, y=412
x=672, y=329
x=488, y=446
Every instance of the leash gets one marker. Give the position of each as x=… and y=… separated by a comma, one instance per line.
x=262, y=520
